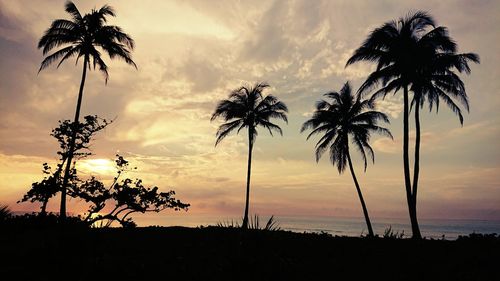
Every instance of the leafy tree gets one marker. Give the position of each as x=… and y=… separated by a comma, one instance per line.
x=247, y=108
x=343, y=120
x=44, y=190
x=52, y=183
x=84, y=36
x=128, y=196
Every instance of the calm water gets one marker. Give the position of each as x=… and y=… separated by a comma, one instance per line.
x=434, y=228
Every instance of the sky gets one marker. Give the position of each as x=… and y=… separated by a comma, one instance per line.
x=191, y=54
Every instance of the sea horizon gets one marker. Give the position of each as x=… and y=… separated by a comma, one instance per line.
x=432, y=228
x=435, y=228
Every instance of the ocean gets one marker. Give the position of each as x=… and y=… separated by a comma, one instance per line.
x=430, y=228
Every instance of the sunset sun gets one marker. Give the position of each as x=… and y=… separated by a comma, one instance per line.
x=97, y=166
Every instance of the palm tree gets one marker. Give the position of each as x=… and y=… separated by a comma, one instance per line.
x=407, y=54
x=246, y=107
x=392, y=47
x=83, y=36
x=435, y=80
x=346, y=117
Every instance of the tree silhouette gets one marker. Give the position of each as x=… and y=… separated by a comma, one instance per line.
x=246, y=107
x=44, y=190
x=83, y=36
x=52, y=183
x=435, y=80
x=5, y=213
x=407, y=54
x=128, y=196
x=392, y=47
x=346, y=117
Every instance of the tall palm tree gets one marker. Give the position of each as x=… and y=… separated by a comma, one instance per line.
x=392, y=47
x=247, y=108
x=346, y=119
x=435, y=80
x=84, y=36
x=412, y=58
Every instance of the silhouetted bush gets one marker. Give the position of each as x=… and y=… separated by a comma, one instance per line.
x=47, y=221
x=479, y=236
x=5, y=213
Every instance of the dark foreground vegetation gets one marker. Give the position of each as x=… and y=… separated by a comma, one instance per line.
x=76, y=252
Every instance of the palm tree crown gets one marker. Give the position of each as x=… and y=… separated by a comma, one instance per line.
x=343, y=117
x=408, y=54
x=393, y=47
x=434, y=77
x=82, y=36
x=246, y=107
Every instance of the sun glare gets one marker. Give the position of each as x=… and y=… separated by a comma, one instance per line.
x=97, y=166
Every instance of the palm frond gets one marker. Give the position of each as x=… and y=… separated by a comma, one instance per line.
x=82, y=34
x=338, y=152
x=348, y=115
x=371, y=117
x=324, y=143
x=225, y=129
x=248, y=105
x=56, y=38
x=107, y=10
x=380, y=130
x=382, y=76
x=360, y=146
x=97, y=60
x=451, y=104
x=71, y=8
x=416, y=22
x=438, y=39
x=271, y=127
x=74, y=51
x=55, y=56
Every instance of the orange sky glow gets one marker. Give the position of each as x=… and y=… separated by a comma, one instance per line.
x=190, y=54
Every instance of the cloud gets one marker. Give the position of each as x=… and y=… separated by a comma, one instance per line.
x=435, y=138
x=392, y=105
x=193, y=53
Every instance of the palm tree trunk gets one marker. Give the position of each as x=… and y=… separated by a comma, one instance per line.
x=416, y=169
x=363, y=205
x=250, y=147
x=62, y=210
x=406, y=163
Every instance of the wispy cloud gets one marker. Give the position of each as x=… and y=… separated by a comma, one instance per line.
x=191, y=54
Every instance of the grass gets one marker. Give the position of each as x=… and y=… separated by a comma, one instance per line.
x=390, y=234
x=228, y=253
x=254, y=223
